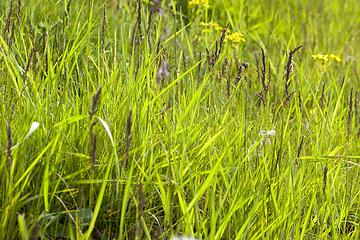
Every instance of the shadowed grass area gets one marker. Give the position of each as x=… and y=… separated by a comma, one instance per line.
x=211, y=119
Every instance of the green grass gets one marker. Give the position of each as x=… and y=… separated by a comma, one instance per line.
x=110, y=143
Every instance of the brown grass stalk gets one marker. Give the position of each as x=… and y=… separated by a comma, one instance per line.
x=325, y=180
x=287, y=99
x=223, y=69
x=350, y=114
x=217, y=53
x=152, y=9
x=299, y=150
x=199, y=70
x=322, y=96
x=141, y=204
x=18, y=13
x=288, y=69
x=278, y=158
x=91, y=132
x=128, y=137
x=257, y=64
x=9, y=156
x=8, y=22
x=103, y=30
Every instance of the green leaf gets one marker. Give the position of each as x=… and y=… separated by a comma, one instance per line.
x=32, y=129
x=71, y=120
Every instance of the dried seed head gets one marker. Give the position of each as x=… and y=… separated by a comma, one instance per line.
x=195, y=44
x=95, y=103
x=322, y=96
x=325, y=179
x=277, y=159
x=139, y=19
x=228, y=85
x=140, y=210
x=288, y=69
x=299, y=150
x=350, y=114
x=257, y=65
x=133, y=39
x=18, y=13
x=152, y=10
x=288, y=98
x=355, y=105
x=28, y=63
x=260, y=95
x=238, y=64
x=103, y=30
x=199, y=69
x=342, y=82
x=12, y=34
x=263, y=70
x=263, y=74
x=217, y=54
x=223, y=69
x=269, y=78
x=128, y=137
x=9, y=138
x=8, y=21
x=216, y=50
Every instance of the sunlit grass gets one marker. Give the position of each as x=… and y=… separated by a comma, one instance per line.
x=211, y=123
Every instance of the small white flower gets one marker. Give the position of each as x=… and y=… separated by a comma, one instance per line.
x=348, y=58
x=267, y=133
x=182, y=238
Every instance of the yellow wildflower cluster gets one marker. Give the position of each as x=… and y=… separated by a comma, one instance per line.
x=324, y=58
x=197, y=2
x=321, y=57
x=334, y=57
x=236, y=37
x=212, y=24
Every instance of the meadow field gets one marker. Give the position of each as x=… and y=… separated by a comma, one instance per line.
x=210, y=119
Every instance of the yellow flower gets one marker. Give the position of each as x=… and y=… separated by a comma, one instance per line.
x=212, y=24
x=321, y=57
x=235, y=37
x=194, y=2
x=197, y=2
x=334, y=57
x=199, y=38
x=216, y=26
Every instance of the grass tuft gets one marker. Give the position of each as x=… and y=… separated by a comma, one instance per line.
x=164, y=119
